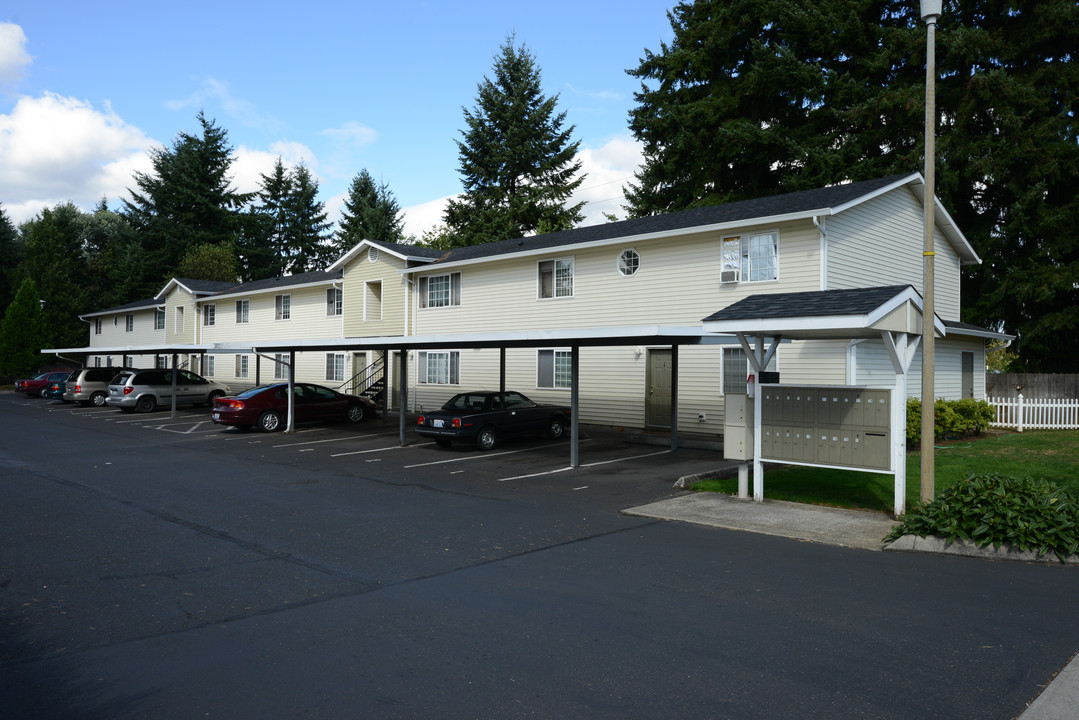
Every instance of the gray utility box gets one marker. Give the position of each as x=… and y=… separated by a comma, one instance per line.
x=842, y=426
x=737, y=427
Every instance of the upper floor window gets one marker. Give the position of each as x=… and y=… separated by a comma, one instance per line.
x=629, y=262
x=159, y=319
x=243, y=310
x=440, y=290
x=372, y=254
x=556, y=278
x=334, y=301
x=282, y=307
x=97, y=326
x=750, y=258
x=209, y=314
x=129, y=323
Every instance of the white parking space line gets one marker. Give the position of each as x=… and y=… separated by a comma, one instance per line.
x=365, y=452
x=344, y=438
x=586, y=465
x=467, y=458
x=192, y=430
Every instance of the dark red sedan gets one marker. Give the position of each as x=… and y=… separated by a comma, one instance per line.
x=38, y=384
x=266, y=407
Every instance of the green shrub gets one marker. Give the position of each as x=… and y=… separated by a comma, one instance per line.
x=951, y=418
x=1028, y=514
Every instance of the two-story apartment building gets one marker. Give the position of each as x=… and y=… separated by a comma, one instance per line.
x=667, y=270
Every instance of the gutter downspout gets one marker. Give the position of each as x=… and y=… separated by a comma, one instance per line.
x=823, y=251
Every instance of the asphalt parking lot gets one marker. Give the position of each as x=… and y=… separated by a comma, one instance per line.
x=168, y=568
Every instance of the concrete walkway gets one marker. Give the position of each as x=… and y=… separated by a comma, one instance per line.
x=855, y=529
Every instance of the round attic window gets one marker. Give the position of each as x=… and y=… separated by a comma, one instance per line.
x=372, y=254
x=629, y=262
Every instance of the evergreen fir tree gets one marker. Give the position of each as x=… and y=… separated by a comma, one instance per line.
x=22, y=333
x=370, y=213
x=308, y=229
x=517, y=160
x=10, y=258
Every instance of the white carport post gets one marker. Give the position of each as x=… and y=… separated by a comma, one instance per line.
x=901, y=351
x=758, y=360
x=289, y=425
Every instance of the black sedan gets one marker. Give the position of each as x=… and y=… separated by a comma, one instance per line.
x=266, y=406
x=485, y=418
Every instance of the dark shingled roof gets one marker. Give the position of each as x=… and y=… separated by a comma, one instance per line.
x=795, y=202
x=134, y=305
x=205, y=286
x=315, y=276
x=857, y=301
x=408, y=249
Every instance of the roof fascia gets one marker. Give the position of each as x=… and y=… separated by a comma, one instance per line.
x=276, y=290
x=345, y=259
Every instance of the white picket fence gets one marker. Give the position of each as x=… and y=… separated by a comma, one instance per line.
x=1025, y=414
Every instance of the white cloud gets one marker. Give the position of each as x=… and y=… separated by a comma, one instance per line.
x=425, y=216
x=249, y=164
x=219, y=93
x=13, y=56
x=58, y=149
x=352, y=133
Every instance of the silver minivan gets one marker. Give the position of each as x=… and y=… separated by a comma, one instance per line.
x=144, y=390
x=90, y=386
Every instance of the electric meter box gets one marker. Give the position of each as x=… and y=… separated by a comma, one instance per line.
x=738, y=427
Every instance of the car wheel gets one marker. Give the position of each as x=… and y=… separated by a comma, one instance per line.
x=486, y=438
x=146, y=404
x=213, y=396
x=443, y=442
x=270, y=421
x=98, y=399
x=556, y=428
x=356, y=413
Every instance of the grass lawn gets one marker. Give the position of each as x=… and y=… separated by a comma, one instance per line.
x=1041, y=454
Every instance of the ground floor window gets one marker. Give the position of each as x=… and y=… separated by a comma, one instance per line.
x=280, y=366
x=440, y=368
x=335, y=367
x=736, y=369
x=554, y=369
x=210, y=366
x=241, y=366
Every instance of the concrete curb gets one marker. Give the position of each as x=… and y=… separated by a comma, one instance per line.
x=934, y=544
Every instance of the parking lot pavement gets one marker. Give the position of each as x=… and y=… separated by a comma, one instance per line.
x=148, y=571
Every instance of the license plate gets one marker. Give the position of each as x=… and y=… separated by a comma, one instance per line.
x=438, y=423
x=217, y=416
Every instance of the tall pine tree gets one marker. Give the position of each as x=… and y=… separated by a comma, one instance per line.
x=22, y=333
x=518, y=163
x=755, y=97
x=309, y=230
x=10, y=258
x=370, y=213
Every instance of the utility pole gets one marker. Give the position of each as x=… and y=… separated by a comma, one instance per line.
x=930, y=12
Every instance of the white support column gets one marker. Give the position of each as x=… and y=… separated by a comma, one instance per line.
x=901, y=349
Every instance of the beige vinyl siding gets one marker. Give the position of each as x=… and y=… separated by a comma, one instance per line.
x=677, y=284
x=880, y=242
x=308, y=318
x=178, y=297
x=356, y=277
x=875, y=368
x=113, y=331
x=812, y=362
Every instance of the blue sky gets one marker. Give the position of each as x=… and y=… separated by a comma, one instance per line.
x=86, y=89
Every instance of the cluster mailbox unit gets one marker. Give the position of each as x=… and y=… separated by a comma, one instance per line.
x=815, y=425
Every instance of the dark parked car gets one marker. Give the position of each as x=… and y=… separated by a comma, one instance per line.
x=38, y=384
x=267, y=406
x=55, y=390
x=485, y=418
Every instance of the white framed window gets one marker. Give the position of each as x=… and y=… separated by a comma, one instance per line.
x=334, y=301
x=335, y=367
x=161, y=362
x=159, y=319
x=97, y=361
x=629, y=262
x=282, y=307
x=554, y=369
x=129, y=323
x=243, y=312
x=179, y=319
x=750, y=258
x=556, y=278
x=209, y=314
x=440, y=368
x=280, y=366
x=372, y=254
x=440, y=290
x=97, y=326
x=242, y=364
x=210, y=365
x=736, y=369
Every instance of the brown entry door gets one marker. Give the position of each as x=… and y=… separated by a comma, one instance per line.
x=657, y=402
